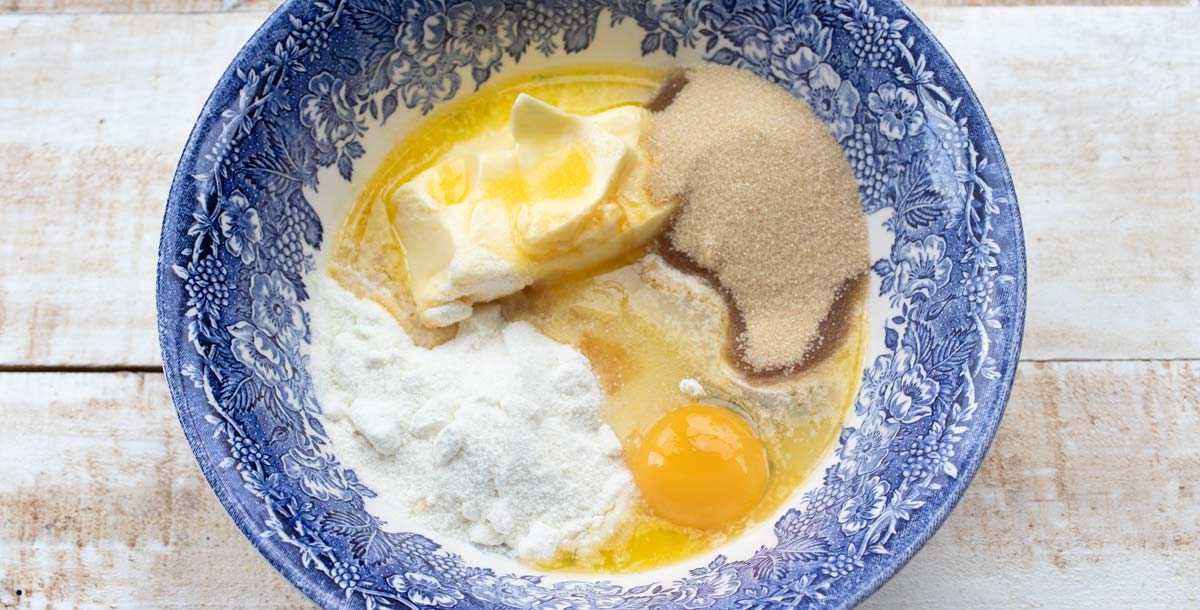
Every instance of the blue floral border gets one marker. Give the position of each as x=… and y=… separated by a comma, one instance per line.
x=239, y=235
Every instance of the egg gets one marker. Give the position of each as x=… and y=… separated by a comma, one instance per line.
x=701, y=466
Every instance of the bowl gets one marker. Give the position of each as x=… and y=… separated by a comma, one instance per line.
x=309, y=108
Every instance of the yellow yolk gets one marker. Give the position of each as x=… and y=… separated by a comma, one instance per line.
x=701, y=466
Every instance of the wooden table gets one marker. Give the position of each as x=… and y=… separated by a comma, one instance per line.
x=1089, y=499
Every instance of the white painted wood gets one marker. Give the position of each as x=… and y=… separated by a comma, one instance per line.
x=1106, y=166
x=1102, y=146
x=102, y=504
x=1087, y=500
x=94, y=113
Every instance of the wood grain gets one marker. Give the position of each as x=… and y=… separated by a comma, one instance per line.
x=1105, y=165
x=135, y=6
x=102, y=504
x=1101, y=144
x=89, y=142
x=1086, y=500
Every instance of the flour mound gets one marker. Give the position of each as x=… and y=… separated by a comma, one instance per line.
x=493, y=437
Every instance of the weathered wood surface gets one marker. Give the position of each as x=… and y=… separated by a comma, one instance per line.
x=92, y=123
x=1102, y=151
x=102, y=505
x=1106, y=167
x=1086, y=500
x=136, y=6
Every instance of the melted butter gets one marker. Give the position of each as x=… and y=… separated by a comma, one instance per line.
x=562, y=176
x=450, y=182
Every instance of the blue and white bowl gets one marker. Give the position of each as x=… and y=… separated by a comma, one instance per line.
x=310, y=107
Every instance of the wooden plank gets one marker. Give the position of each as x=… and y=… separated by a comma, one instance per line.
x=212, y=6
x=1103, y=157
x=136, y=6
x=102, y=504
x=89, y=144
x=1086, y=500
x=1105, y=166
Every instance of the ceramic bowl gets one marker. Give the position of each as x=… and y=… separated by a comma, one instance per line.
x=309, y=108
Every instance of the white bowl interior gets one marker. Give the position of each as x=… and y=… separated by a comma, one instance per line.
x=612, y=46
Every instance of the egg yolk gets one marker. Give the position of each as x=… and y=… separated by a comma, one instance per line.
x=700, y=466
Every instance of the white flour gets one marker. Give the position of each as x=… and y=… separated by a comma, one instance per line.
x=691, y=388
x=493, y=437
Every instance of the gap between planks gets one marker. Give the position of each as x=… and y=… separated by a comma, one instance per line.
x=86, y=368
x=124, y=368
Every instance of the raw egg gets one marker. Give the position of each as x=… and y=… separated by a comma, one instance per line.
x=700, y=466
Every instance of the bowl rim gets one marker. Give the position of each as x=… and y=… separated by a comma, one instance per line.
x=225, y=89
x=1013, y=354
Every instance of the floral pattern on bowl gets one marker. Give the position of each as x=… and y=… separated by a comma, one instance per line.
x=291, y=116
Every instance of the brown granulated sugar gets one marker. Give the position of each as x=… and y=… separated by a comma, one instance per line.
x=769, y=208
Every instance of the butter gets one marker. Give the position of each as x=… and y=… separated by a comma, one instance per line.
x=550, y=193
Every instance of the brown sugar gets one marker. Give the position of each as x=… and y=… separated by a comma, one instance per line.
x=769, y=210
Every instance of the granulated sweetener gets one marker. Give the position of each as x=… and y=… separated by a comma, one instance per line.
x=768, y=206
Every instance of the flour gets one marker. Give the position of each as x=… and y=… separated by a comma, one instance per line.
x=691, y=388
x=493, y=437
